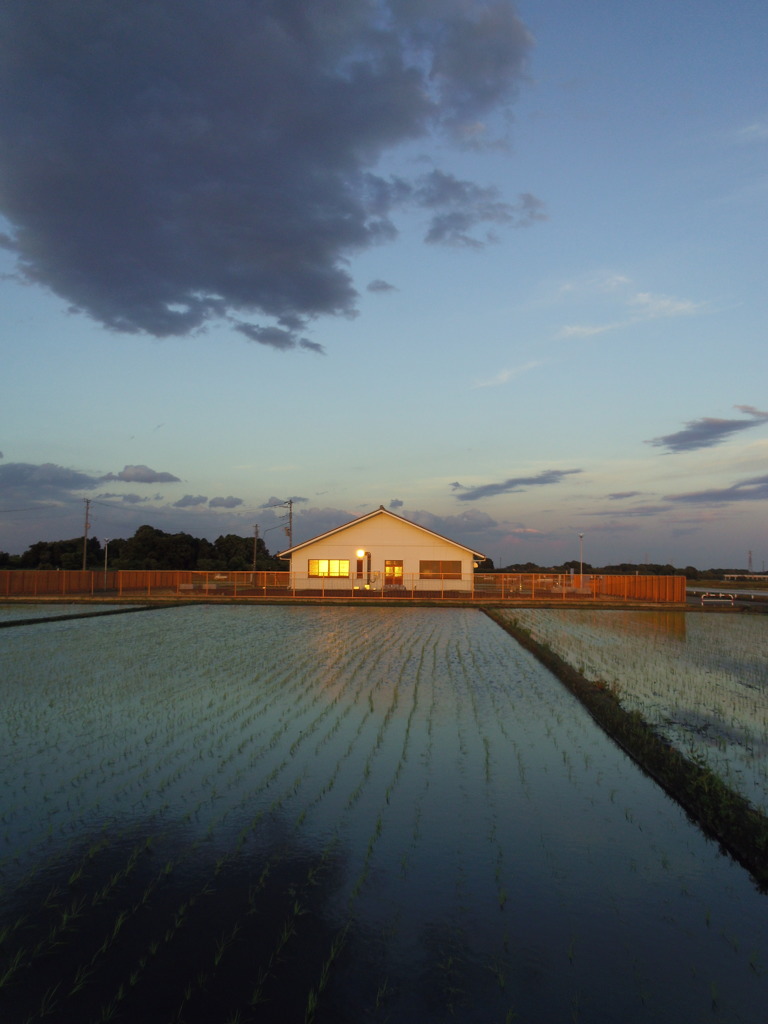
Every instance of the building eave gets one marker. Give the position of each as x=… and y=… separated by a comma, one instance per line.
x=369, y=515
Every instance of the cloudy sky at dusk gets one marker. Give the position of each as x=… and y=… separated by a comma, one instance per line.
x=499, y=268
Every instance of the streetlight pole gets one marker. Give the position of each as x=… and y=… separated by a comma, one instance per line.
x=106, y=549
x=581, y=560
x=361, y=553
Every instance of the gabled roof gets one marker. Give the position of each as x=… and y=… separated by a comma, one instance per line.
x=380, y=511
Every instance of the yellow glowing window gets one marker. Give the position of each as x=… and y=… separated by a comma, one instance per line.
x=329, y=567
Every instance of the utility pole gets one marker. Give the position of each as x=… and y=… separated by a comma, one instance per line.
x=85, y=532
x=255, y=543
x=289, y=528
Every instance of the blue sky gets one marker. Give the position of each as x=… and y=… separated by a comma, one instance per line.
x=499, y=268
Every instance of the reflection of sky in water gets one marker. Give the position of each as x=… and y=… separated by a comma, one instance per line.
x=409, y=775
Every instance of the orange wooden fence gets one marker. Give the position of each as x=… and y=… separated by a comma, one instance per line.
x=177, y=584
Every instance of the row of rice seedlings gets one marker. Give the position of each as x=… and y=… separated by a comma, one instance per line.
x=162, y=785
x=119, y=919
x=76, y=779
x=565, y=732
x=466, y=748
x=562, y=737
x=667, y=864
x=434, y=720
x=294, y=750
x=288, y=725
x=87, y=970
x=386, y=777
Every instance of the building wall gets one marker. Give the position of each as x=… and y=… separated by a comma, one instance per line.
x=385, y=538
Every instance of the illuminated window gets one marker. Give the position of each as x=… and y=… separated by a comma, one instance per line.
x=329, y=567
x=393, y=572
x=439, y=570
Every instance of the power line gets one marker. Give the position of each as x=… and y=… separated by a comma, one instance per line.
x=31, y=508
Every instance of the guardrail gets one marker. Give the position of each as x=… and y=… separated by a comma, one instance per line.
x=713, y=598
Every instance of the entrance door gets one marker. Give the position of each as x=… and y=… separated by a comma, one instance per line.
x=393, y=573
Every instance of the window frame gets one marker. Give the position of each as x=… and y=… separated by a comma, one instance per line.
x=440, y=569
x=328, y=568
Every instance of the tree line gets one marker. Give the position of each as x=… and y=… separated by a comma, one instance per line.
x=624, y=569
x=148, y=548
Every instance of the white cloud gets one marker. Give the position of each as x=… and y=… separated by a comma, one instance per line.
x=586, y=330
x=755, y=132
x=653, y=306
x=638, y=307
x=603, y=282
x=508, y=374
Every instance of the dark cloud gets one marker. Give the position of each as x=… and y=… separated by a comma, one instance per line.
x=708, y=432
x=513, y=485
x=190, y=501
x=636, y=512
x=462, y=206
x=229, y=502
x=753, y=489
x=381, y=286
x=126, y=499
x=164, y=164
x=466, y=527
x=22, y=480
x=396, y=503
x=277, y=337
x=275, y=502
x=621, y=495
x=136, y=499
x=142, y=475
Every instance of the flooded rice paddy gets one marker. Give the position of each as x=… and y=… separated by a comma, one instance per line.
x=342, y=815
x=700, y=679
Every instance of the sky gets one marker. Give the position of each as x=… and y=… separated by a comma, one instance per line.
x=497, y=267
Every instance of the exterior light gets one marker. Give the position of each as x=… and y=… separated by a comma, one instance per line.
x=363, y=554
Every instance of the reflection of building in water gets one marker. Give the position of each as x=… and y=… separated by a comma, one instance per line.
x=650, y=623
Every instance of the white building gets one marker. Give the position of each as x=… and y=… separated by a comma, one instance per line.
x=381, y=551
